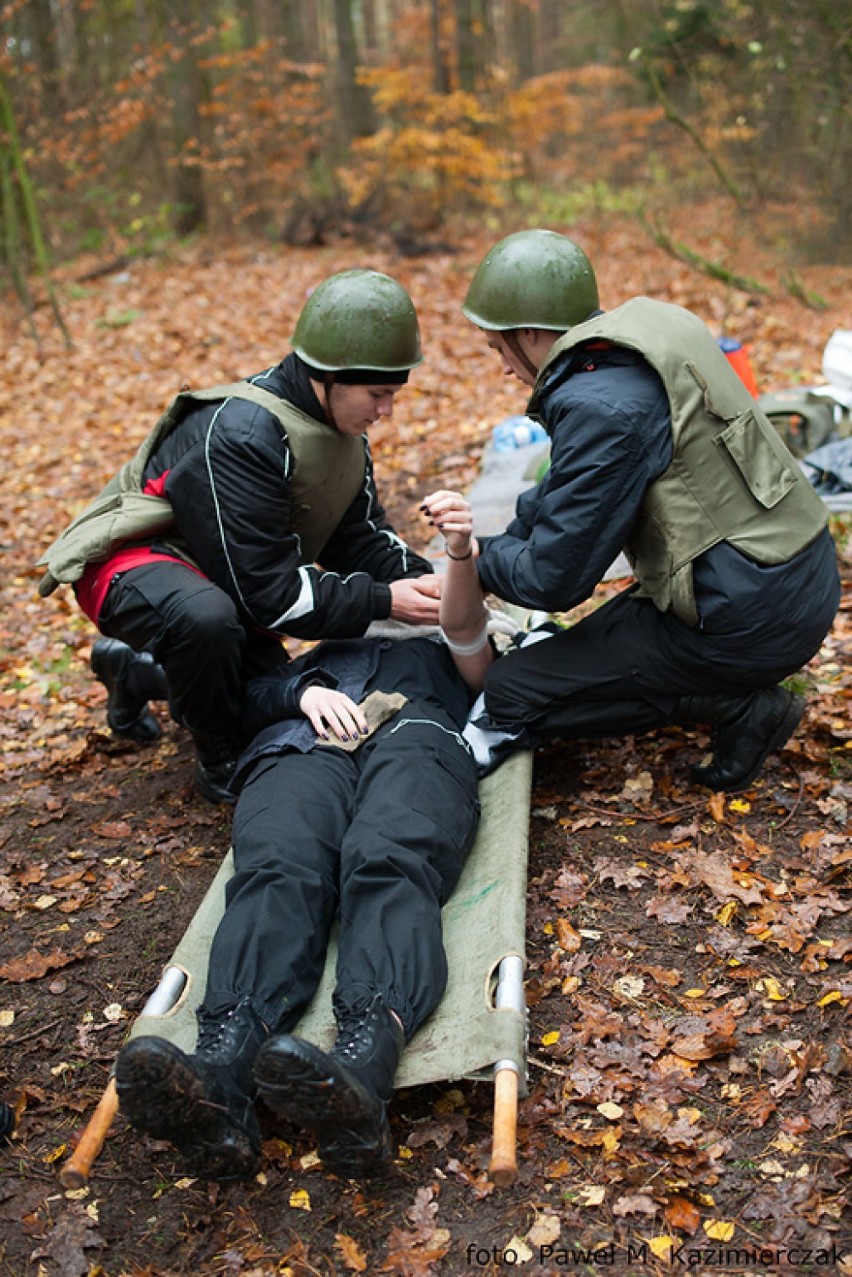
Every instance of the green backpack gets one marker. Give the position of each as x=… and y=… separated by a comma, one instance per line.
x=804, y=420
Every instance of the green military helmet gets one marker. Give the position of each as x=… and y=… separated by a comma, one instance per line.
x=532, y=279
x=358, y=319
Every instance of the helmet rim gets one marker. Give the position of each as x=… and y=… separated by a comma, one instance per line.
x=358, y=320
x=532, y=279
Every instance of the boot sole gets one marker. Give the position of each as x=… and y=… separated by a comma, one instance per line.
x=783, y=732
x=298, y=1083
x=161, y=1095
x=144, y=730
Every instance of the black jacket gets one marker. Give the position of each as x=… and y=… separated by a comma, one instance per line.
x=422, y=669
x=609, y=421
x=608, y=418
x=224, y=470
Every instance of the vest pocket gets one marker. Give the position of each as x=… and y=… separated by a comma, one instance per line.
x=753, y=447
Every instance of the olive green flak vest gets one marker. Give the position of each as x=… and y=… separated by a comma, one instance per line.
x=327, y=472
x=731, y=478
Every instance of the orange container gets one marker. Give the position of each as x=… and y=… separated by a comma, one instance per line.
x=737, y=356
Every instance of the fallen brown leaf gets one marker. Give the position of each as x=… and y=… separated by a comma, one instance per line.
x=34, y=964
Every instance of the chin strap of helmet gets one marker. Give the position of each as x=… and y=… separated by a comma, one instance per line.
x=510, y=336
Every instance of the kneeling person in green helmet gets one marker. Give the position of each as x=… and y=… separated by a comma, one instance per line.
x=248, y=514
x=659, y=451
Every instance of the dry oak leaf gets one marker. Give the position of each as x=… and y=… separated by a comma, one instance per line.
x=9, y=899
x=112, y=829
x=682, y=1214
x=668, y=978
x=480, y=1184
x=408, y=1256
x=716, y=807
x=667, y=909
x=351, y=1253
x=609, y=1138
x=33, y=965
x=423, y=1210
x=568, y=938
x=718, y=875
x=569, y=889
x=438, y=1132
x=72, y=1234
x=715, y=1037
x=546, y=1230
x=653, y=1117
x=621, y=875
x=634, y=1204
x=758, y=1108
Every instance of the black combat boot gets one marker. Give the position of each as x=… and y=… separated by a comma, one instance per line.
x=215, y=766
x=746, y=730
x=131, y=679
x=340, y=1095
x=7, y=1122
x=202, y=1103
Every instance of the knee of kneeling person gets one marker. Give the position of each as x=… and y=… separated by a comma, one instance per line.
x=212, y=617
x=502, y=705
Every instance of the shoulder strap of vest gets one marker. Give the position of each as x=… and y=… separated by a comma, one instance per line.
x=284, y=412
x=626, y=326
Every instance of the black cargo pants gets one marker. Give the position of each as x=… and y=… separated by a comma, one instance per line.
x=623, y=668
x=376, y=838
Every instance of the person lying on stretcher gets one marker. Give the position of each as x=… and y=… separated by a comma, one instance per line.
x=358, y=802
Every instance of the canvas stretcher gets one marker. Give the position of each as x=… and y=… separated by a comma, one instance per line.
x=479, y=1029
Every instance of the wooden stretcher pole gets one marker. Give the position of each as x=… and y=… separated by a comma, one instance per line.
x=75, y=1172
x=503, y=1166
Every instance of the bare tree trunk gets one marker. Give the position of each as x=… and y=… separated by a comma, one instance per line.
x=372, y=40
x=293, y=26
x=466, y=50
x=43, y=33
x=17, y=204
x=441, y=71
x=356, y=107
x=490, y=38
x=550, y=34
x=248, y=23
x=183, y=85
x=523, y=40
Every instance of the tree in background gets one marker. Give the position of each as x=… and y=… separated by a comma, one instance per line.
x=22, y=235
x=763, y=89
x=145, y=118
x=356, y=108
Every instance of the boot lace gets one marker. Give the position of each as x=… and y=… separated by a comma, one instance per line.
x=222, y=1033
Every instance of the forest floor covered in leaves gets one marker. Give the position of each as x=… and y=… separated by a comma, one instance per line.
x=688, y=978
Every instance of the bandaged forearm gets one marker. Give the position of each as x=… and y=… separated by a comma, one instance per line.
x=469, y=648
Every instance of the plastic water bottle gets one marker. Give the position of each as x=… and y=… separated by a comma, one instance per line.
x=517, y=432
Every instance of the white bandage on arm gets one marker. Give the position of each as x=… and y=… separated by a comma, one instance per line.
x=471, y=647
